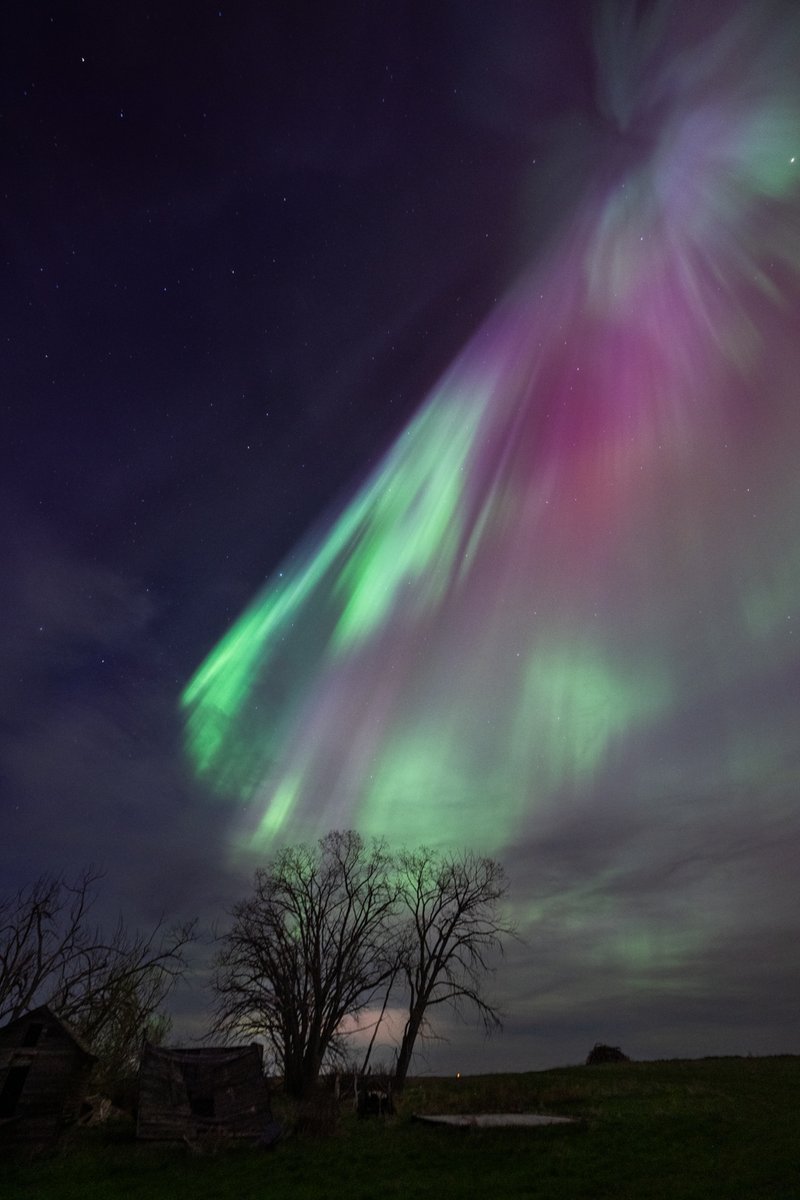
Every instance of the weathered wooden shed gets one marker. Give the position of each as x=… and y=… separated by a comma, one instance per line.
x=199, y=1092
x=44, y=1071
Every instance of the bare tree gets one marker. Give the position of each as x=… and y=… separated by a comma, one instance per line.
x=110, y=987
x=454, y=927
x=309, y=947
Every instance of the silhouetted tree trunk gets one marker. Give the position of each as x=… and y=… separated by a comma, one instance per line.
x=454, y=926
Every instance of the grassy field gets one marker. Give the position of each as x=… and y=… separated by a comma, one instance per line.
x=727, y=1128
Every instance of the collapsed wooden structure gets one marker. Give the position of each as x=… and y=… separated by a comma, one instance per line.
x=44, y=1072
x=191, y=1094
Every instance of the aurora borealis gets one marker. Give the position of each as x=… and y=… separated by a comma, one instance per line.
x=403, y=434
x=588, y=536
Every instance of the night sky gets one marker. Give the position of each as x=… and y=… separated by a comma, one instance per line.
x=443, y=359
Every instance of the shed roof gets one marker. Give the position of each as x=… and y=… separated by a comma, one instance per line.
x=45, y=1014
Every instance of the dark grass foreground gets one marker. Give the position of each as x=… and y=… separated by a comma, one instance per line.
x=727, y=1128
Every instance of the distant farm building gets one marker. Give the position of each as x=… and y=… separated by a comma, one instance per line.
x=189, y=1094
x=44, y=1072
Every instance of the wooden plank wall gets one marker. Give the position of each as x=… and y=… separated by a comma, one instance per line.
x=58, y=1073
x=231, y=1080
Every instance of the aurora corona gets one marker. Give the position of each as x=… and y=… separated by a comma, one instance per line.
x=519, y=609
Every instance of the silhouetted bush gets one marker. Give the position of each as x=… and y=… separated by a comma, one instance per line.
x=605, y=1054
